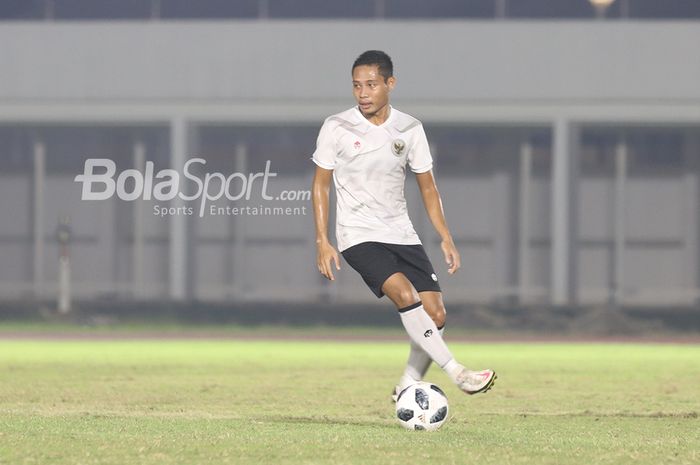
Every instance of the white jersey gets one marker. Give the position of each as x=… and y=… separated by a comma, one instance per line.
x=369, y=171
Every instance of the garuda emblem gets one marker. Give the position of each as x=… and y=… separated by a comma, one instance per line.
x=398, y=146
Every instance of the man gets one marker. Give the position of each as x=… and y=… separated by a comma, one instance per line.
x=365, y=150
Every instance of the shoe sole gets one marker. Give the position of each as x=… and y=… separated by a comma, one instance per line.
x=486, y=388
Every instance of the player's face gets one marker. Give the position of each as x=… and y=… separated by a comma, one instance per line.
x=370, y=89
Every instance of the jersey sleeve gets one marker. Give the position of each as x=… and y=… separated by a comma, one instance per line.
x=419, y=158
x=325, y=153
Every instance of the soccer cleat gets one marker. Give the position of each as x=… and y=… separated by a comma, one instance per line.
x=474, y=382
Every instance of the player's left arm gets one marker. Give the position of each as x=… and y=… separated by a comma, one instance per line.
x=433, y=205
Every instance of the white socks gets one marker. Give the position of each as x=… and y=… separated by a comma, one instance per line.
x=426, y=337
x=418, y=362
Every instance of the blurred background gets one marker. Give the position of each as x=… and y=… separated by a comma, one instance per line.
x=566, y=135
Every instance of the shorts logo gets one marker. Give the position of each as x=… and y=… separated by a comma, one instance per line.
x=357, y=145
x=428, y=333
x=434, y=276
x=398, y=146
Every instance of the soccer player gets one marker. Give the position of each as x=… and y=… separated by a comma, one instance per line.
x=365, y=150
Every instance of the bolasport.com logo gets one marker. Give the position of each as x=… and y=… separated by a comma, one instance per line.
x=101, y=182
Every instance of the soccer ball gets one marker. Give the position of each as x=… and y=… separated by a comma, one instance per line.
x=422, y=406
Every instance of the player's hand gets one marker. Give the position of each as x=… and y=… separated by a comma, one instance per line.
x=451, y=256
x=326, y=254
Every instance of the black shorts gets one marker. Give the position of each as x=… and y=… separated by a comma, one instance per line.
x=376, y=261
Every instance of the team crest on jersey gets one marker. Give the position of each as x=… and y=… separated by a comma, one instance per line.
x=357, y=145
x=398, y=146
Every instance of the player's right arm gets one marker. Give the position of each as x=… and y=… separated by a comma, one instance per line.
x=320, y=196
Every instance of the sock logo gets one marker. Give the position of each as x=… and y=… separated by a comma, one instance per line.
x=428, y=333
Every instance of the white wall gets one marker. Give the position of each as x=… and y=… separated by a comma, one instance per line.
x=298, y=60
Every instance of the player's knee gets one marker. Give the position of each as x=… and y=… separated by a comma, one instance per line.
x=407, y=297
x=404, y=296
x=400, y=291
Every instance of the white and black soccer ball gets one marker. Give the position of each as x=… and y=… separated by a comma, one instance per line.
x=422, y=406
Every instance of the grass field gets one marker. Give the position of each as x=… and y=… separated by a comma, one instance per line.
x=287, y=402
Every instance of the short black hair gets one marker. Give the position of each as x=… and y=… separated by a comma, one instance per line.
x=379, y=58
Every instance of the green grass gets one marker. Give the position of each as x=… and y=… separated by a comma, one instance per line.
x=259, y=402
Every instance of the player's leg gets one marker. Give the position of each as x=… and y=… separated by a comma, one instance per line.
x=418, y=324
x=378, y=263
x=423, y=331
x=415, y=264
x=418, y=360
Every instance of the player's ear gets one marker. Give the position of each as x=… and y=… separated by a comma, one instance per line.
x=391, y=82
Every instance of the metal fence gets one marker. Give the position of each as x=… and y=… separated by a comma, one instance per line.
x=631, y=195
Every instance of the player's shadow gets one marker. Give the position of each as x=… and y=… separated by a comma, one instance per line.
x=323, y=421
